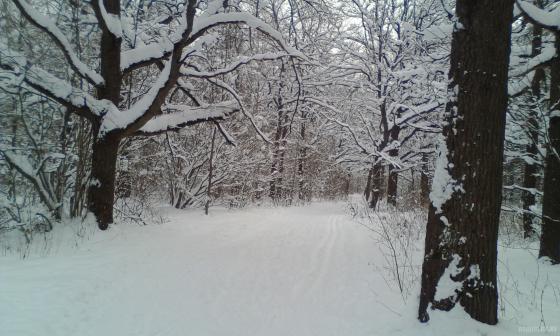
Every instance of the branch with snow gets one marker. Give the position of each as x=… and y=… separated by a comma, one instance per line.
x=25, y=168
x=546, y=19
x=183, y=116
x=79, y=101
x=48, y=26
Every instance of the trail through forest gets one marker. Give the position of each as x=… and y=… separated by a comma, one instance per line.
x=264, y=271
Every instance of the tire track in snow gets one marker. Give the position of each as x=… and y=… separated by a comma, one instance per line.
x=321, y=261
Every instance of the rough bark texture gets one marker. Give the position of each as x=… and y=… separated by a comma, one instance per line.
x=550, y=237
x=102, y=189
x=367, y=191
x=466, y=228
x=101, y=193
x=392, y=185
x=376, y=180
x=301, y=161
x=392, y=182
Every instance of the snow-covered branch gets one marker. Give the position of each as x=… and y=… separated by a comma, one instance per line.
x=546, y=19
x=48, y=26
x=182, y=116
x=77, y=100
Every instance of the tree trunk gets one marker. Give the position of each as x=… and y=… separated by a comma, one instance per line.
x=392, y=183
x=376, y=180
x=529, y=174
x=301, y=160
x=462, y=230
x=102, y=189
x=367, y=190
x=550, y=237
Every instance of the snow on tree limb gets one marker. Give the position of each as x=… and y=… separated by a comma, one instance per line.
x=242, y=60
x=202, y=24
x=239, y=101
x=48, y=26
x=24, y=167
x=517, y=87
x=547, y=19
x=77, y=100
x=523, y=68
x=185, y=116
x=111, y=21
x=152, y=52
x=123, y=119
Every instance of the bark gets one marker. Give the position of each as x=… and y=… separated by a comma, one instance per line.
x=465, y=227
x=101, y=193
x=376, y=180
x=103, y=170
x=392, y=182
x=550, y=237
x=531, y=169
x=301, y=160
x=392, y=186
x=367, y=190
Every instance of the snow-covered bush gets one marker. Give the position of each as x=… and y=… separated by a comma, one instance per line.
x=399, y=237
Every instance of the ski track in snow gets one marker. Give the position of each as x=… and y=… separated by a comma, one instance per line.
x=271, y=271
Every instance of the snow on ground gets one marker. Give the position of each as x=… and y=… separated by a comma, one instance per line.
x=262, y=271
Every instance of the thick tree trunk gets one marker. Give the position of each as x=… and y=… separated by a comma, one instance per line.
x=301, y=160
x=103, y=170
x=529, y=175
x=376, y=180
x=392, y=185
x=462, y=230
x=367, y=190
x=101, y=193
x=550, y=237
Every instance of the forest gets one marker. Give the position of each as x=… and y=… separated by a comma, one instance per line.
x=279, y=167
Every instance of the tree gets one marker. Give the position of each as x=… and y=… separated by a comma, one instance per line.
x=461, y=238
x=396, y=68
x=550, y=235
x=135, y=44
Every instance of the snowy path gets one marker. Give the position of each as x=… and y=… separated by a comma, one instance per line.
x=281, y=271
x=258, y=272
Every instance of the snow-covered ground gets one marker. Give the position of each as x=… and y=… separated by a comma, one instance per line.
x=261, y=271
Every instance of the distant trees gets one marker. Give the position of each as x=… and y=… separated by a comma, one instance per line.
x=550, y=236
x=462, y=231
x=391, y=64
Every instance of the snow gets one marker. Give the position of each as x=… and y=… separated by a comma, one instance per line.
x=20, y=68
x=443, y=185
x=112, y=21
x=122, y=119
x=185, y=114
x=548, y=19
x=154, y=50
x=260, y=271
x=241, y=60
x=205, y=22
x=447, y=288
x=48, y=25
